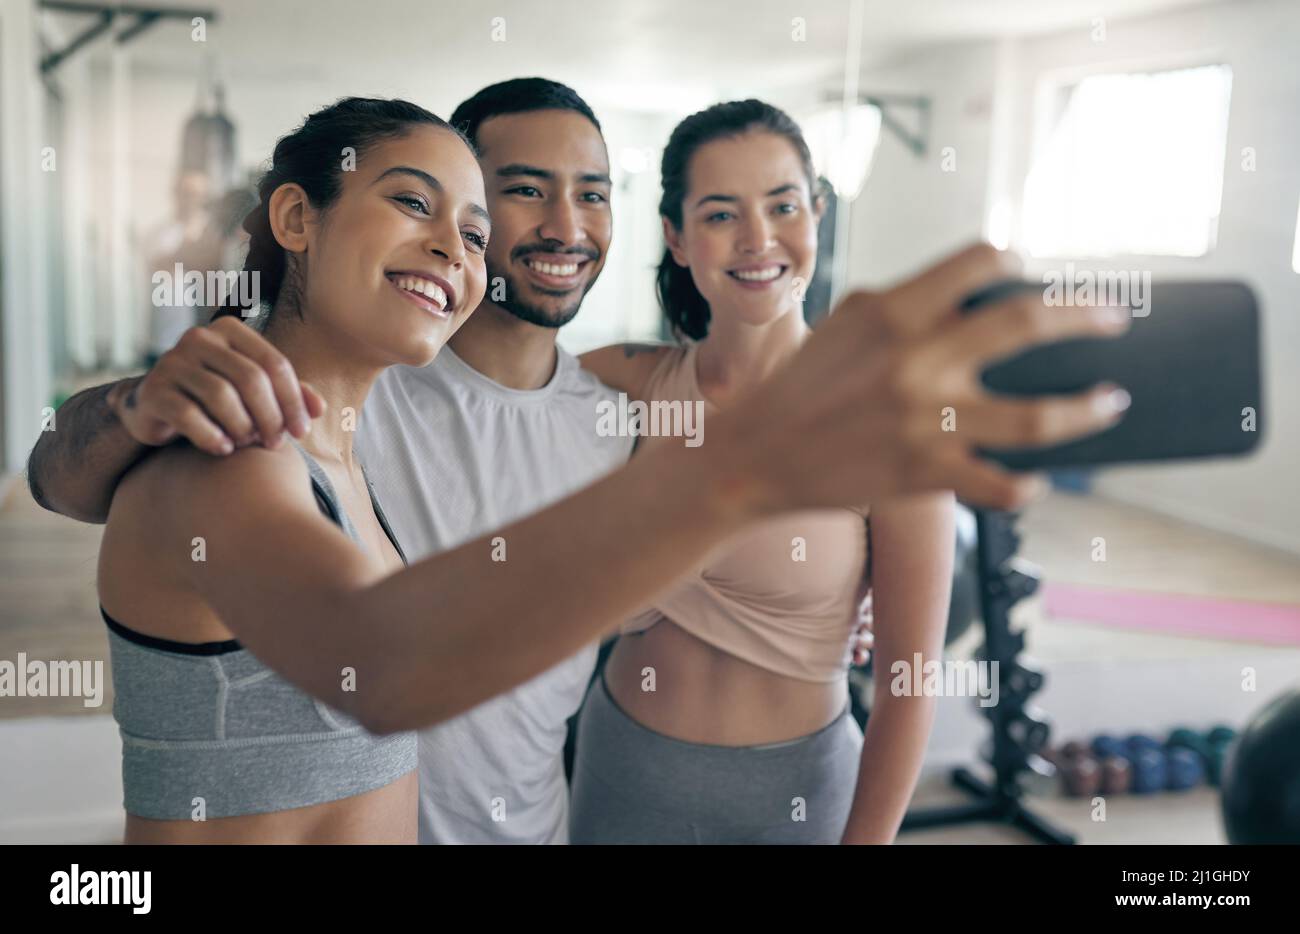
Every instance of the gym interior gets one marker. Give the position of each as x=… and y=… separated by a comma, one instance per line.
x=1146, y=616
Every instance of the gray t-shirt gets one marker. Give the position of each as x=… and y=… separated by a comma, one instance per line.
x=454, y=455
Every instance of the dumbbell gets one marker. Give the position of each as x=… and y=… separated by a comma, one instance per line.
x=1103, y=746
x=1186, y=768
x=1221, y=739
x=1210, y=748
x=1221, y=734
x=1136, y=742
x=1187, y=738
x=1071, y=750
x=1150, y=769
x=1115, y=772
x=1082, y=776
x=1081, y=773
x=1116, y=775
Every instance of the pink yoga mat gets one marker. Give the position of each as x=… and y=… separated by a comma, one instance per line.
x=1175, y=614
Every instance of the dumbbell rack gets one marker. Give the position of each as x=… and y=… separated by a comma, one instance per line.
x=1018, y=730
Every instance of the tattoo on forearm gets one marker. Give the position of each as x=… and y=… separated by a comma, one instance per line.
x=92, y=416
x=84, y=417
x=631, y=350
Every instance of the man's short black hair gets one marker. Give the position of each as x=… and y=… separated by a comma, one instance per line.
x=516, y=96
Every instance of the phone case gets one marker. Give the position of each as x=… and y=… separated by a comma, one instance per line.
x=1191, y=365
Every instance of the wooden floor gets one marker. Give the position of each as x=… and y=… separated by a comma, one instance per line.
x=1148, y=551
x=1179, y=818
x=48, y=607
x=1144, y=551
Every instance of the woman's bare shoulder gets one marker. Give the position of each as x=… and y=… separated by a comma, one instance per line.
x=178, y=479
x=627, y=366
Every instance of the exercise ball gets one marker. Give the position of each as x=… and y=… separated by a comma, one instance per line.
x=964, y=608
x=1261, y=777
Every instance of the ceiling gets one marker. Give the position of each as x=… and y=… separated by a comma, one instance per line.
x=641, y=53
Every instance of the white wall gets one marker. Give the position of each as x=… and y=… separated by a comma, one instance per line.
x=621, y=306
x=911, y=211
x=914, y=208
x=1255, y=498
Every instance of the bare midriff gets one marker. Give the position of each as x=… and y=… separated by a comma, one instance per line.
x=705, y=695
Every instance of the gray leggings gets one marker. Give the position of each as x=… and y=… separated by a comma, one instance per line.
x=633, y=785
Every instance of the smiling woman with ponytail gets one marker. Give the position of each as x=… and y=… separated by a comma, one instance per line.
x=313, y=159
x=218, y=701
x=264, y=266
x=755, y=716
x=685, y=308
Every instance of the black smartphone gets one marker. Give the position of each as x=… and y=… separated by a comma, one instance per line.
x=1190, y=361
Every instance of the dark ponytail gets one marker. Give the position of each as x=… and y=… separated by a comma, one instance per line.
x=683, y=305
x=313, y=156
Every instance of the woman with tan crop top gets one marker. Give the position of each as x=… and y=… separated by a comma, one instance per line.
x=722, y=715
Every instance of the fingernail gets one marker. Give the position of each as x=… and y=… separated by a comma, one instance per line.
x=1113, y=316
x=1115, y=401
x=225, y=445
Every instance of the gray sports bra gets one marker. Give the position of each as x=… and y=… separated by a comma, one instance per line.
x=209, y=731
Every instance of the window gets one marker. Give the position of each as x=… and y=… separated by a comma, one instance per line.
x=1131, y=164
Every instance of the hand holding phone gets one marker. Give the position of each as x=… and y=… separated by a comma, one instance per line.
x=1191, y=366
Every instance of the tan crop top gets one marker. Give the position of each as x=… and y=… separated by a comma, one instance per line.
x=783, y=594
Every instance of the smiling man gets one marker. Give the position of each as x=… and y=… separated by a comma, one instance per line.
x=559, y=217
x=500, y=425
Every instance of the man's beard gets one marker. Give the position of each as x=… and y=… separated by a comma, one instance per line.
x=534, y=314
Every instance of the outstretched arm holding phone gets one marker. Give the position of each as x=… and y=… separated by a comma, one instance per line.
x=856, y=416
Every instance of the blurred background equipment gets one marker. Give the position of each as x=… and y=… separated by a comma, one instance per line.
x=208, y=139
x=1261, y=778
x=1020, y=731
x=200, y=235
